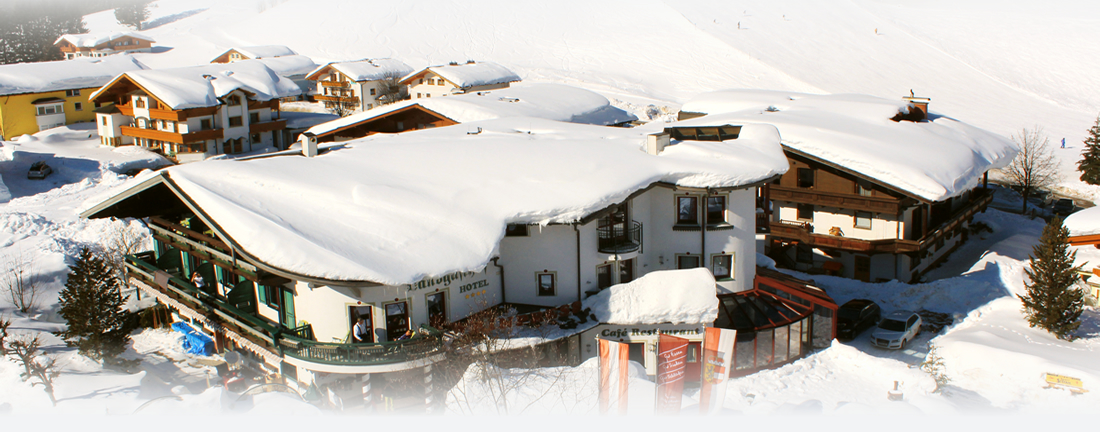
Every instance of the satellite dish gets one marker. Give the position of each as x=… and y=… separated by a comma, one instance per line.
x=232, y=357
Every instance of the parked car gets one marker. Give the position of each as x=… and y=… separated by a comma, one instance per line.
x=1063, y=207
x=896, y=330
x=39, y=170
x=855, y=316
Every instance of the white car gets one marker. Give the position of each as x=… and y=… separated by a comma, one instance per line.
x=896, y=330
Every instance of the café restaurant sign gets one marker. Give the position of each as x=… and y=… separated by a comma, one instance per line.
x=651, y=331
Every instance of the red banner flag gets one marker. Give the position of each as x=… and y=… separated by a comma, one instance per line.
x=717, y=361
x=671, y=371
x=614, y=376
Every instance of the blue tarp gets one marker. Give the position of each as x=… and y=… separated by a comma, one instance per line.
x=194, y=342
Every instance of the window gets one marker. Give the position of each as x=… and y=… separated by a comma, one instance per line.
x=547, y=283
x=806, y=212
x=864, y=190
x=687, y=261
x=50, y=110
x=515, y=230
x=373, y=91
x=103, y=120
x=418, y=95
x=626, y=270
x=722, y=266
x=71, y=93
x=139, y=103
x=255, y=138
x=805, y=178
x=437, y=309
x=233, y=100
x=603, y=276
x=863, y=219
x=428, y=95
x=78, y=106
x=204, y=124
x=235, y=121
x=421, y=81
x=254, y=117
x=716, y=210
x=687, y=208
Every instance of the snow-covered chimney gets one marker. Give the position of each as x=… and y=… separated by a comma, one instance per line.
x=921, y=104
x=309, y=144
x=656, y=142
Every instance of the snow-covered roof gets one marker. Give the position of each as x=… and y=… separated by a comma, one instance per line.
x=201, y=86
x=668, y=296
x=396, y=208
x=64, y=75
x=932, y=160
x=1083, y=223
x=470, y=74
x=264, y=51
x=548, y=101
x=368, y=69
x=290, y=65
x=91, y=40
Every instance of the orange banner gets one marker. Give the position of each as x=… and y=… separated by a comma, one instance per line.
x=614, y=375
x=717, y=360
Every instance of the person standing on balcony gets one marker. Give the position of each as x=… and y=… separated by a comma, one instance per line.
x=197, y=281
x=360, y=333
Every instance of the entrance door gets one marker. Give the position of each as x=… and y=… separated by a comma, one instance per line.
x=603, y=277
x=613, y=227
x=626, y=271
x=354, y=312
x=437, y=309
x=863, y=268
x=397, y=320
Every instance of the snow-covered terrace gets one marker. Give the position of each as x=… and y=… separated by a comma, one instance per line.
x=63, y=75
x=394, y=209
x=548, y=101
x=201, y=86
x=932, y=160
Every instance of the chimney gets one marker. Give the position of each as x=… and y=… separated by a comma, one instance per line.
x=656, y=142
x=309, y=144
x=921, y=105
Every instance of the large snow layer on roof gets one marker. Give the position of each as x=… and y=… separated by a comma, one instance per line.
x=64, y=75
x=549, y=101
x=91, y=40
x=933, y=160
x=289, y=65
x=372, y=69
x=264, y=51
x=466, y=75
x=669, y=296
x=201, y=86
x=395, y=208
x=1083, y=223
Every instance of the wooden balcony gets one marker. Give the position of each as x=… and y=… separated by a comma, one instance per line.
x=334, y=83
x=835, y=199
x=173, y=137
x=126, y=110
x=803, y=232
x=165, y=114
x=267, y=126
x=347, y=99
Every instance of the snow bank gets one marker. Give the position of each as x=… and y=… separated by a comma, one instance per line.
x=91, y=40
x=669, y=296
x=78, y=73
x=369, y=69
x=201, y=86
x=933, y=160
x=466, y=75
x=549, y=101
x=396, y=208
x=1083, y=223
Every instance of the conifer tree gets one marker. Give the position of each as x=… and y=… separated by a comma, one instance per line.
x=92, y=304
x=1053, y=301
x=1089, y=165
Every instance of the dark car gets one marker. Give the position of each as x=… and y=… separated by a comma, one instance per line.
x=1063, y=207
x=856, y=316
x=39, y=170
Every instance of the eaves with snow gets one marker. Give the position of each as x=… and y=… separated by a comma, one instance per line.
x=1083, y=223
x=202, y=86
x=548, y=101
x=365, y=70
x=79, y=73
x=261, y=51
x=468, y=74
x=931, y=160
x=396, y=208
x=92, y=40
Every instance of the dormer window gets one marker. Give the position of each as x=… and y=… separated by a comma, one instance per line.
x=705, y=133
x=233, y=100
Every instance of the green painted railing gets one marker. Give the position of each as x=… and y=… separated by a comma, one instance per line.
x=427, y=343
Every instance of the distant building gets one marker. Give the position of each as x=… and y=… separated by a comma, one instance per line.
x=454, y=78
x=102, y=44
x=1084, y=233
x=40, y=96
x=359, y=85
x=253, y=53
x=191, y=113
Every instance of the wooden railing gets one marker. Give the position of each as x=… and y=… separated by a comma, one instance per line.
x=345, y=99
x=267, y=126
x=173, y=137
x=334, y=83
x=835, y=199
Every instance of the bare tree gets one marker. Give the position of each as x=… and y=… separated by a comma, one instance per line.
x=390, y=88
x=122, y=240
x=20, y=280
x=1035, y=167
x=4, y=324
x=340, y=109
x=26, y=350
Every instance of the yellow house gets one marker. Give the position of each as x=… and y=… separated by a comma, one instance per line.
x=40, y=96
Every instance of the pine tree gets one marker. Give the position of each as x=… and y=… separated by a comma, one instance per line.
x=1053, y=302
x=92, y=304
x=133, y=14
x=1089, y=165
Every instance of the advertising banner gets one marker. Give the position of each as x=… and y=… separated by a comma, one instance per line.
x=671, y=371
x=717, y=361
x=614, y=375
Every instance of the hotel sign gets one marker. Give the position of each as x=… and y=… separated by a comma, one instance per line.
x=444, y=281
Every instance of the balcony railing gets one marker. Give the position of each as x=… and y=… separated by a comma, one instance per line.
x=267, y=126
x=173, y=137
x=334, y=83
x=834, y=199
x=344, y=99
x=620, y=238
x=296, y=342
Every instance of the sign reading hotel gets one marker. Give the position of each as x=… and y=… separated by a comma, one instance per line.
x=671, y=371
